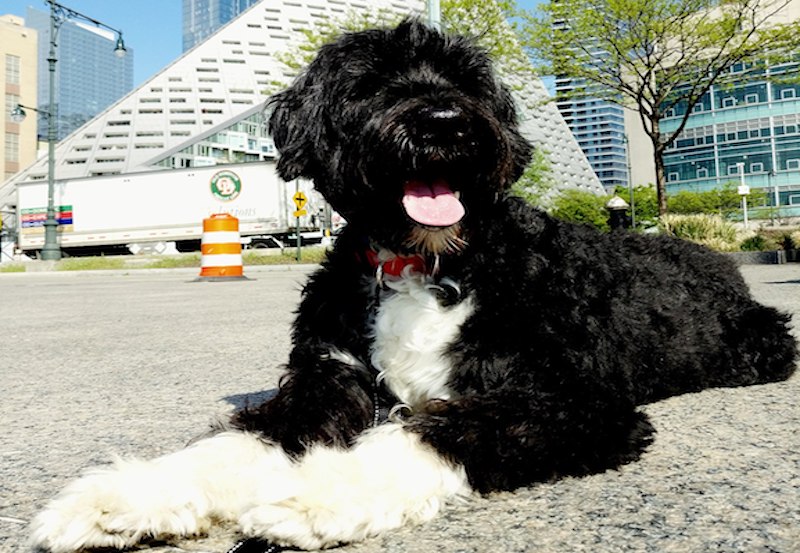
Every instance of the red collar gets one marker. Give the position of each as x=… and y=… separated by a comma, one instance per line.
x=395, y=265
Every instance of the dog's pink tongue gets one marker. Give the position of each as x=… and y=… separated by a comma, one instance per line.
x=432, y=204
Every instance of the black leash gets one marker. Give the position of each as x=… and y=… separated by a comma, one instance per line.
x=255, y=545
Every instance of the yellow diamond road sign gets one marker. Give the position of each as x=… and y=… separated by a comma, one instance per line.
x=300, y=200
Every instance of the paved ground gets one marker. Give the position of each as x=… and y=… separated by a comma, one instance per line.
x=94, y=364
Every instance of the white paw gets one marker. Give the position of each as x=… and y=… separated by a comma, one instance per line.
x=115, y=507
x=297, y=526
x=317, y=526
x=339, y=496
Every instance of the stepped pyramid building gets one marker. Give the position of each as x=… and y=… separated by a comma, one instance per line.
x=206, y=107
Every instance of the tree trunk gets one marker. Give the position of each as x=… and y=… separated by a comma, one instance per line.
x=658, y=158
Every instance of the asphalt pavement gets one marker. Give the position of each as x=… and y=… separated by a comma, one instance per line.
x=137, y=363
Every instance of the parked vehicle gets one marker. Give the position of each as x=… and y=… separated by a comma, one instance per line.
x=152, y=210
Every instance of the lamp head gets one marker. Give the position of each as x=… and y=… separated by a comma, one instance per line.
x=18, y=114
x=119, y=49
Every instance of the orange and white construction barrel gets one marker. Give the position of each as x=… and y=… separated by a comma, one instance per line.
x=221, y=249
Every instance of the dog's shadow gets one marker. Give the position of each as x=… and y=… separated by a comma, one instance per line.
x=252, y=399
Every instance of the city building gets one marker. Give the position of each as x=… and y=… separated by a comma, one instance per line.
x=599, y=127
x=18, y=85
x=207, y=106
x=201, y=18
x=89, y=76
x=746, y=127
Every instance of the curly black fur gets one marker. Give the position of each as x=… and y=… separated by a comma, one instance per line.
x=572, y=329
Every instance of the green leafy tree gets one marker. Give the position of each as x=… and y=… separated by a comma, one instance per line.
x=645, y=204
x=724, y=201
x=656, y=55
x=536, y=184
x=580, y=206
x=486, y=20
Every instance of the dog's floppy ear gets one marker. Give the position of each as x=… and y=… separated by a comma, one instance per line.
x=294, y=125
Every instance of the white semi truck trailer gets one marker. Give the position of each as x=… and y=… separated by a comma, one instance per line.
x=135, y=211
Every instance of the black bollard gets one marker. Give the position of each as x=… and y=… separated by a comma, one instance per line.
x=617, y=213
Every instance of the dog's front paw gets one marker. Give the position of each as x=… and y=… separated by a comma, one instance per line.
x=114, y=508
x=388, y=479
x=319, y=525
x=296, y=525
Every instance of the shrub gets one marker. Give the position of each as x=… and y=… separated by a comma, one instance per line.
x=645, y=203
x=755, y=243
x=795, y=238
x=709, y=230
x=580, y=206
x=724, y=201
x=770, y=239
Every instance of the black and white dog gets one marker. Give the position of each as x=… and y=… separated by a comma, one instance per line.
x=455, y=340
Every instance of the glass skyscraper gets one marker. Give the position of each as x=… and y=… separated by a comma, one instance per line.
x=202, y=17
x=599, y=127
x=89, y=76
x=749, y=121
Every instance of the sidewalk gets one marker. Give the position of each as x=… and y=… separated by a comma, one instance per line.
x=138, y=362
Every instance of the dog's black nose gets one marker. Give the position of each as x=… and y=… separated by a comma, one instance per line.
x=441, y=124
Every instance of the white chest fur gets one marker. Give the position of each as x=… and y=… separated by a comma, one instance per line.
x=411, y=334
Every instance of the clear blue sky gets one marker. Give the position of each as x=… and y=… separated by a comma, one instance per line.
x=151, y=27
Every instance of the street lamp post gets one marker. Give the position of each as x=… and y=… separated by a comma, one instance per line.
x=630, y=179
x=58, y=15
x=743, y=190
x=434, y=14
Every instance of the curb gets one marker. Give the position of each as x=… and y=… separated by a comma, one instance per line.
x=194, y=271
x=776, y=257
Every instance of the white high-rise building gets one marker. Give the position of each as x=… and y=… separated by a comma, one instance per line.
x=206, y=107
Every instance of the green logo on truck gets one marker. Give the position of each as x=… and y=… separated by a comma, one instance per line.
x=226, y=185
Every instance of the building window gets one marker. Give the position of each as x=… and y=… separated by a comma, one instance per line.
x=12, y=100
x=12, y=69
x=12, y=147
x=793, y=163
x=674, y=177
x=751, y=99
x=728, y=102
x=794, y=199
x=756, y=167
x=733, y=169
x=787, y=93
x=702, y=173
